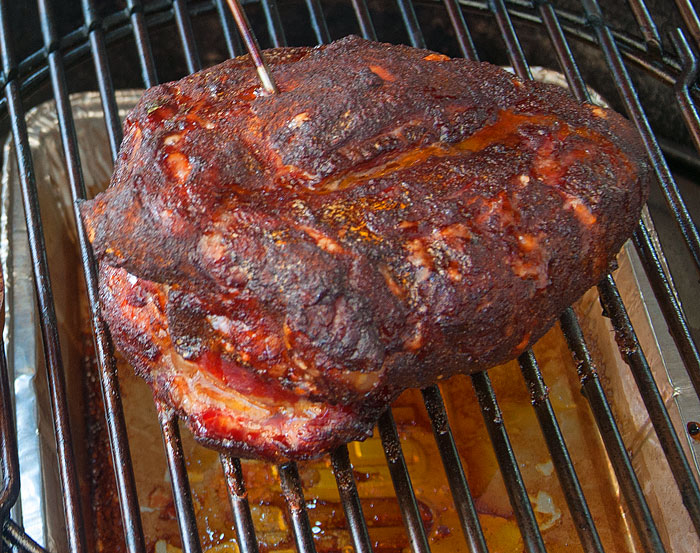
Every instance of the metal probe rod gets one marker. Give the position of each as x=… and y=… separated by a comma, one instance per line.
x=252, y=45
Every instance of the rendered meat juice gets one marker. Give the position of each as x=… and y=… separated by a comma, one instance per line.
x=386, y=529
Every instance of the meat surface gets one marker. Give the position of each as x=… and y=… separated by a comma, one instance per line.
x=280, y=267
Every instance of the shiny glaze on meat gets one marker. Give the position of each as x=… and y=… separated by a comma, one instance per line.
x=392, y=217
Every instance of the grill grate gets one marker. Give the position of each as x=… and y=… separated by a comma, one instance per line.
x=134, y=19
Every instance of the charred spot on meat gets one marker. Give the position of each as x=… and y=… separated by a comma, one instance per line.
x=280, y=267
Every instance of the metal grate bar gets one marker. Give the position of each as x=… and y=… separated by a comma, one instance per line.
x=669, y=304
x=408, y=14
x=515, y=51
x=44, y=293
x=433, y=401
x=126, y=486
x=392, y=450
x=563, y=51
x=690, y=17
x=128, y=499
x=634, y=109
x=566, y=473
x=347, y=489
x=178, y=478
x=646, y=26
x=233, y=472
x=634, y=357
x=52, y=353
x=9, y=464
x=238, y=496
x=274, y=23
x=143, y=43
x=14, y=536
x=661, y=285
x=689, y=75
x=296, y=507
x=517, y=493
x=402, y=483
x=228, y=25
x=464, y=503
x=364, y=19
x=104, y=76
x=617, y=453
x=184, y=28
x=464, y=37
x=339, y=458
x=318, y=21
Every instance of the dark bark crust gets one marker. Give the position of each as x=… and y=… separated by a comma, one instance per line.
x=392, y=217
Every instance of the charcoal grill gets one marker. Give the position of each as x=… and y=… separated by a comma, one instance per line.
x=626, y=40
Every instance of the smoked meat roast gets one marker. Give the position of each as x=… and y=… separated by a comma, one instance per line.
x=279, y=267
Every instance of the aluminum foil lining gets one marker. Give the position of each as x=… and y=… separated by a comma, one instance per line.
x=40, y=505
